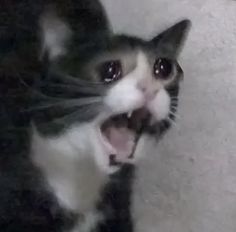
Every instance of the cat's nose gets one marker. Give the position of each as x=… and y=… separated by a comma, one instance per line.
x=148, y=89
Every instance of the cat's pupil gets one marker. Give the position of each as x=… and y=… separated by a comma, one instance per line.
x=162, y=68
x=110, y=71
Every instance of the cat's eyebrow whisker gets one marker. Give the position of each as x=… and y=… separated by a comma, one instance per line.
x=68, y=103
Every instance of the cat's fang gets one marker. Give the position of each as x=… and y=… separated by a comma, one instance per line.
x=120, y=133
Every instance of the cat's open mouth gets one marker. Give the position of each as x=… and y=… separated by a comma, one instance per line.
x=122, y=132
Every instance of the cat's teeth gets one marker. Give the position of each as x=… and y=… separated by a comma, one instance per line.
x=130, y=114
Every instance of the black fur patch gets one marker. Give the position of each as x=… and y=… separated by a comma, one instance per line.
x=116, y=202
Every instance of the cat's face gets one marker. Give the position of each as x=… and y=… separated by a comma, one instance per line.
x=136, y=96
x=132, y=89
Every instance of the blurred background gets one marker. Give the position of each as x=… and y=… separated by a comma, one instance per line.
x=188, y=183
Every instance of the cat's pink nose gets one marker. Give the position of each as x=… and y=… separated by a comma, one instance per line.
x=149, y=91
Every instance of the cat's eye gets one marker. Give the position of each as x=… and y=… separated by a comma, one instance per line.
x=110, y=71
x=162, y=68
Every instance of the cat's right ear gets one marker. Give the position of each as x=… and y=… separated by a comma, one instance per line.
x=170, y=41
x=55, y=35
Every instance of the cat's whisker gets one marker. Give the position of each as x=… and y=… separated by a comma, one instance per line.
x=36, y=92
x=78, y=87
x=174, y=107
x=173, y=110
x=88, y=90
x=67, y=103
x=174, y=114
x=172, y=122
x=79, y=114
x=68, y=79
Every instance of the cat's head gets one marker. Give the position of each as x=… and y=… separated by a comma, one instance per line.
x=115, y=92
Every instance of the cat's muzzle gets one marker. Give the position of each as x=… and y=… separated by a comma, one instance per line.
x=122, y=133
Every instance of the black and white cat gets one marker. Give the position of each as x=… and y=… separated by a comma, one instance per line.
x=76, y=101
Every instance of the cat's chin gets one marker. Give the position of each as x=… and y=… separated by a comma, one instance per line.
x=119, y=134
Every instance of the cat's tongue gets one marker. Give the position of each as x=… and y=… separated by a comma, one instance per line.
x=120, y=133
x=122, y=140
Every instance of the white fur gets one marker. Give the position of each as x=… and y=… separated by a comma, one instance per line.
x=139, y=89
x=89, y=223
x=76, y=163
x=55, y=35
x=160, y=105
x=69, y=165
x=126, y=95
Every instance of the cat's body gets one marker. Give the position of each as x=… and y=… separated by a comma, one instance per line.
x=66, y=84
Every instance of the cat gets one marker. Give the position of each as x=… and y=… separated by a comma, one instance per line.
x=76, y=101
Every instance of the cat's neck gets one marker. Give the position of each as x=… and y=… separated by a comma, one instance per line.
x=71, y=173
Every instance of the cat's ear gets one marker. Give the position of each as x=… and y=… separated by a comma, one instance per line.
x=170, y=41
x=55, y=35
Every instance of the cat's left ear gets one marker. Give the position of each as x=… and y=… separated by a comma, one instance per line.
x=170, y=42
x=55, y=35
